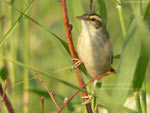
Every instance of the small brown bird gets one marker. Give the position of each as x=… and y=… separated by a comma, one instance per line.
x=93, y=46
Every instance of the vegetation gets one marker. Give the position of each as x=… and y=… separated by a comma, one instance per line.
x=35, y=60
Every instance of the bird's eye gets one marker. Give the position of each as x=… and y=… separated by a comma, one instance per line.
x=92, y=19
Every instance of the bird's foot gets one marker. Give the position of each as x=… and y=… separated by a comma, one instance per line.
x=77, y=63
x=89, y=98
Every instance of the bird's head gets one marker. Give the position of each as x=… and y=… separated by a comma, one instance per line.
x=91, y=20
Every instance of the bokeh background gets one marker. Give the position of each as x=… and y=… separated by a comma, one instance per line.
x=31, y=43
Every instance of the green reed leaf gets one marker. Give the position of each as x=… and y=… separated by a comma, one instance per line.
x=3, y=73
x=65, y=45
x=5, y=37
x=46, y=74
x=129, y=58
x=102, y=9
x=147, y=15
x=140, y=70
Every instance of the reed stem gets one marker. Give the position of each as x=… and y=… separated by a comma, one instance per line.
x=26, y=60
x=119, y=7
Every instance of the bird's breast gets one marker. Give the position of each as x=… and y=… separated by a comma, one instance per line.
x=95, y=52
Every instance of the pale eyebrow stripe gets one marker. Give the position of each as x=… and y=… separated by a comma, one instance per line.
x=97, y=18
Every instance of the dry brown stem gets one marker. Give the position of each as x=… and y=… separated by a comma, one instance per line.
x=42, y=101
x=2, y=99
x=103, y=75
x=49, y=92
x=91, y=6
x=68, y=28
x=64, y=105
x=7, y=102
x=96, y=78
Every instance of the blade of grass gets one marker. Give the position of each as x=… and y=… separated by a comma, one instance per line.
x=26, y=61
x=65, y=45
x=3, y=73
x=147, y=15
x=140, y=70
x=44, y=93
x=116, y=57
x=5, y=37
x=132, y=55
x=110, y=104
x=64, y=68
x=21, y=82
x=144, y=32
x=102, y=9
x=121, y=18
x=12, y=15
x=12, y=50
x=125, y=74
x=32, y=78
x=1, y=29
x=49, y=75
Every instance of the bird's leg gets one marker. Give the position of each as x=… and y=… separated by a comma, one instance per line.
x=91, y=96
x=77, y=63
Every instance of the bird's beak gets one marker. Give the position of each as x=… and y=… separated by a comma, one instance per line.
x=82, y=18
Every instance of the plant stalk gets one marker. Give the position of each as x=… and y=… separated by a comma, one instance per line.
x=119, y=7
x=26, y=61
x=68, y=28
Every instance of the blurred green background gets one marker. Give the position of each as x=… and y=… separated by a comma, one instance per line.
x=30, y=44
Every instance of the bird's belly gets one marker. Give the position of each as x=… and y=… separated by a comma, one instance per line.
x=95, y=55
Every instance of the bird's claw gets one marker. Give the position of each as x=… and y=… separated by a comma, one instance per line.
x=87, y=101
x=77, y=63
